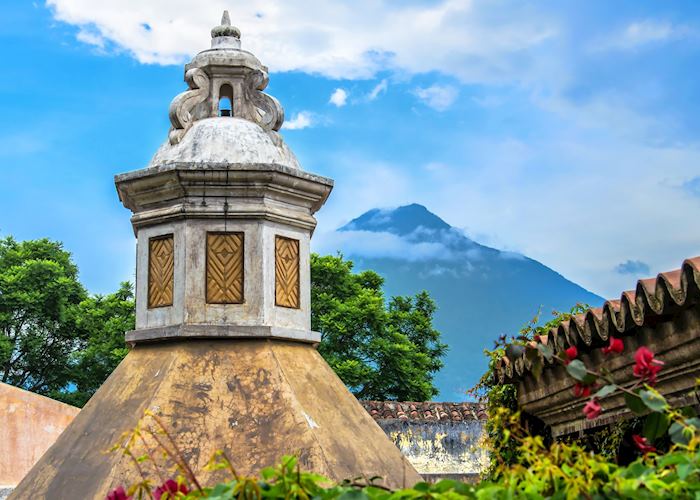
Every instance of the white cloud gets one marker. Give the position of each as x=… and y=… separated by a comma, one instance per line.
x=378, y=89
x=438, y=97
x=648, y=31
x=339, y=98
x=302, y=120
x=91, y=38
x=641, y=33
x=589, y=192
x=471, y=39
x=378, y=244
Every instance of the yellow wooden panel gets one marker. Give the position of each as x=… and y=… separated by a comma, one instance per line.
x=161, y=265
x=287, y=272
x=225, y=268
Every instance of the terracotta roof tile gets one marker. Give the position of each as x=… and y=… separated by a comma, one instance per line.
x=664, y=295
x=425, y=411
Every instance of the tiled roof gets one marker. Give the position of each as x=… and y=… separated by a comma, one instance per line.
x=426, y=411
x=652, y=299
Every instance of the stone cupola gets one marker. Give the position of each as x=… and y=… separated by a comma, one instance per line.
x=222, y=351
x=223, y=214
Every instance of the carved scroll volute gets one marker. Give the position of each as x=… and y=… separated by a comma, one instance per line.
x=270, y=114
x=181, y=108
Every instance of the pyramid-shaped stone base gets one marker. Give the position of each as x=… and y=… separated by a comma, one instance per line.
x=255, y=399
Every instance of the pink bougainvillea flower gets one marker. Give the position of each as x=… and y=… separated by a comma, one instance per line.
x=646, y=367
x=616, y=346
x=118, y=494
x=642, y=444
x=571, y=352
x=172, y=488
x=592, y=409
x=581, y=390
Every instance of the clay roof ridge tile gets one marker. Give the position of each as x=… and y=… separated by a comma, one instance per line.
x=651, y=297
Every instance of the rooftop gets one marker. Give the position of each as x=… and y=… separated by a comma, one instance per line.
x=425, y=411
x=651, y=301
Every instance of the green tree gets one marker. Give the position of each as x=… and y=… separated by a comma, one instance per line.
x=381, y=351
x=103, y=319
x=39, y=298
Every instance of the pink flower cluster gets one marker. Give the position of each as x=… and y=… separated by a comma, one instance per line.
x=592, y=408
x=642, y=444
x=171, y=487
x=646, y=366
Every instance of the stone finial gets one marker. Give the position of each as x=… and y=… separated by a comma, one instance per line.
x=224, y=75
x=225, y=28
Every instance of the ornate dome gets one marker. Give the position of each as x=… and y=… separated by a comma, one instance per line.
x=224, y=116
x=226, y=140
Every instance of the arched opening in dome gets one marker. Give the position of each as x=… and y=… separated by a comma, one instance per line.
x=226, y=100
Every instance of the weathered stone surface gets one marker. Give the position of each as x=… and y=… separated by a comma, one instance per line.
x=226, y=82
x=443, y=440
x=189, y=306
x=256, y=400
x=226, y=139
x=223, y=191
x=29, y=424
x=218, y=331
x=441, y=449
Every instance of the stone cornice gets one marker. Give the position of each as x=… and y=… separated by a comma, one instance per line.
x=262, y=191
x=193, y=331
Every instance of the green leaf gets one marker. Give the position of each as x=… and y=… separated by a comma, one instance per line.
x=576, y=369
x=677, y=435
x=606, y=390
x=422, y=486
x=655, y=426
x=546, y=351
x=635, y=404
x=353, y=495
x=672, y=459
x=683, y=471
x=653, y=400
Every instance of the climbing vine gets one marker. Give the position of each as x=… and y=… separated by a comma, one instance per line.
x=499, y=397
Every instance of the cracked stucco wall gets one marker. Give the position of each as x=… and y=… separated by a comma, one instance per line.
x=455, y=449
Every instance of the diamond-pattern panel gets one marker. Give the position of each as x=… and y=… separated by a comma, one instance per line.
x=287, y=272
x=225, y=268
x=161, y=266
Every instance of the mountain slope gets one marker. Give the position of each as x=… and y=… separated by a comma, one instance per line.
x=481, y=292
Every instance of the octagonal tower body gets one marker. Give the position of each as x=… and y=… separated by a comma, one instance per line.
x=223, y=214
x=222, y=351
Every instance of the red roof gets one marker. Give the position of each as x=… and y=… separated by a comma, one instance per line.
x=652, y=299
x=424, y=411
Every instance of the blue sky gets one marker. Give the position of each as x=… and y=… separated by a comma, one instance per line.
x=567, y=131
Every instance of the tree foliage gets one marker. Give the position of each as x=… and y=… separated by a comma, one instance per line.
x=55, y=339
x=381, y=351
x=39, y=298
x=103, y=319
